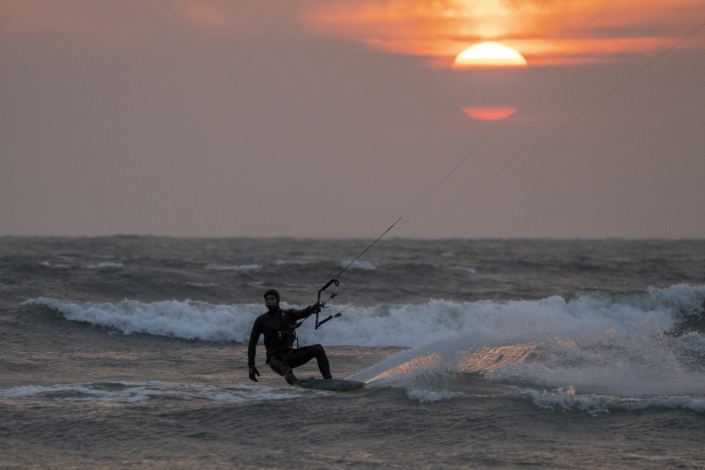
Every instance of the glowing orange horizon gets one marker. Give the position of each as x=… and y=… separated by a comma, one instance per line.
x=441, y=30
x=437, y=30
x=488, y=113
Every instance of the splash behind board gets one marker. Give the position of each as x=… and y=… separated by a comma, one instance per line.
x=329, y=384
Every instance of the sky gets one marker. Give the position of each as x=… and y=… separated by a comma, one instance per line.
x=312, y=118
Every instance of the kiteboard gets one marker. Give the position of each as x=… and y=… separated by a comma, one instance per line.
x=331, y=385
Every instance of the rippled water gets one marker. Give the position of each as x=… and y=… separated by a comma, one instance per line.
x=126, y=352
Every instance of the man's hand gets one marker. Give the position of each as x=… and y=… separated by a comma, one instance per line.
x=253, y=372
x=317, y=307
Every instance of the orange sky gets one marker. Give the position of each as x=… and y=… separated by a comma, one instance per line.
x=439, y=29
x=539, y=29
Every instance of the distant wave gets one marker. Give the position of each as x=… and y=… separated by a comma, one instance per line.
x=459, y=268
x=358, y=265
x=244, y=267
x=104, y=266
x=293, y=261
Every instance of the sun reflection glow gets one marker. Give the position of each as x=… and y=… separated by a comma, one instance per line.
x=413, y=365
x=487, y=113
x=492, y=358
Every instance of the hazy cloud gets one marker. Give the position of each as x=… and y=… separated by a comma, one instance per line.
x=539, y=29
x=138, y=21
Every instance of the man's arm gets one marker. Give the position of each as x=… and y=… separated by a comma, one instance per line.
x=304, y=312
x=254, y=337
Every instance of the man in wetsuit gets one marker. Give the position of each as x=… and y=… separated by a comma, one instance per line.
x=279, y=329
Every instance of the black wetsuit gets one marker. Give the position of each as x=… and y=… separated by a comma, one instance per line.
x=278, y=327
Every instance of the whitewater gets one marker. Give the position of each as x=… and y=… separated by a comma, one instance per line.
x=475, y=353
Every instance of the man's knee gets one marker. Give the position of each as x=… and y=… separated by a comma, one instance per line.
x=283, y=369
x=279, y=367
x=318, y=349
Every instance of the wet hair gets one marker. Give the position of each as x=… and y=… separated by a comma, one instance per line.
x=273, y=292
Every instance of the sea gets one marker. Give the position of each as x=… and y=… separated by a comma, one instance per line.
x=131, y=352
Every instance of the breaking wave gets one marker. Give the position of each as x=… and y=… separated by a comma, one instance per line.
x=603, y=346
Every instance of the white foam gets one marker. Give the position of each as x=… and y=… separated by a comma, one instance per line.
x=621, y=364
x=244, y=267
x=358, y=265
x=382, y=325
x=596, y=404
x=104, y=265
x=430, y=396
x=596, y=343
x=140, y=393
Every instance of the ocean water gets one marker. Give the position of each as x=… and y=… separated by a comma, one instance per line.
x=130, y=352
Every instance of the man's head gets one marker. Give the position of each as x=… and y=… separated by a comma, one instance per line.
x=271, y=298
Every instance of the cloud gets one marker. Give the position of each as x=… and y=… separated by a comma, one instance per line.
x=436, y=29
x=28, y=16
x=208, y=16
x=103, y=22
x=539, y=29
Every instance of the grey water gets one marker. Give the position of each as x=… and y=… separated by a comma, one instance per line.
x=130, y=352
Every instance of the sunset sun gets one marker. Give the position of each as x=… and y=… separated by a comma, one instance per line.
x=489, y=54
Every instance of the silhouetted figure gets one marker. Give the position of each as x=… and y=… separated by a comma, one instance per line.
x=279, y=329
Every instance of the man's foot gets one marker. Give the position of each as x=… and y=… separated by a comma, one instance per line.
x=329, y=377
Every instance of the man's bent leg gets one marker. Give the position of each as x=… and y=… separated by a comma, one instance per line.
x=301, y=356
x=278, y=365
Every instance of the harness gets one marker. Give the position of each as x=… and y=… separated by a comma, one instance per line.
x=287, y=334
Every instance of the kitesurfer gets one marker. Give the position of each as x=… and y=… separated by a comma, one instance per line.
x=279, y=329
